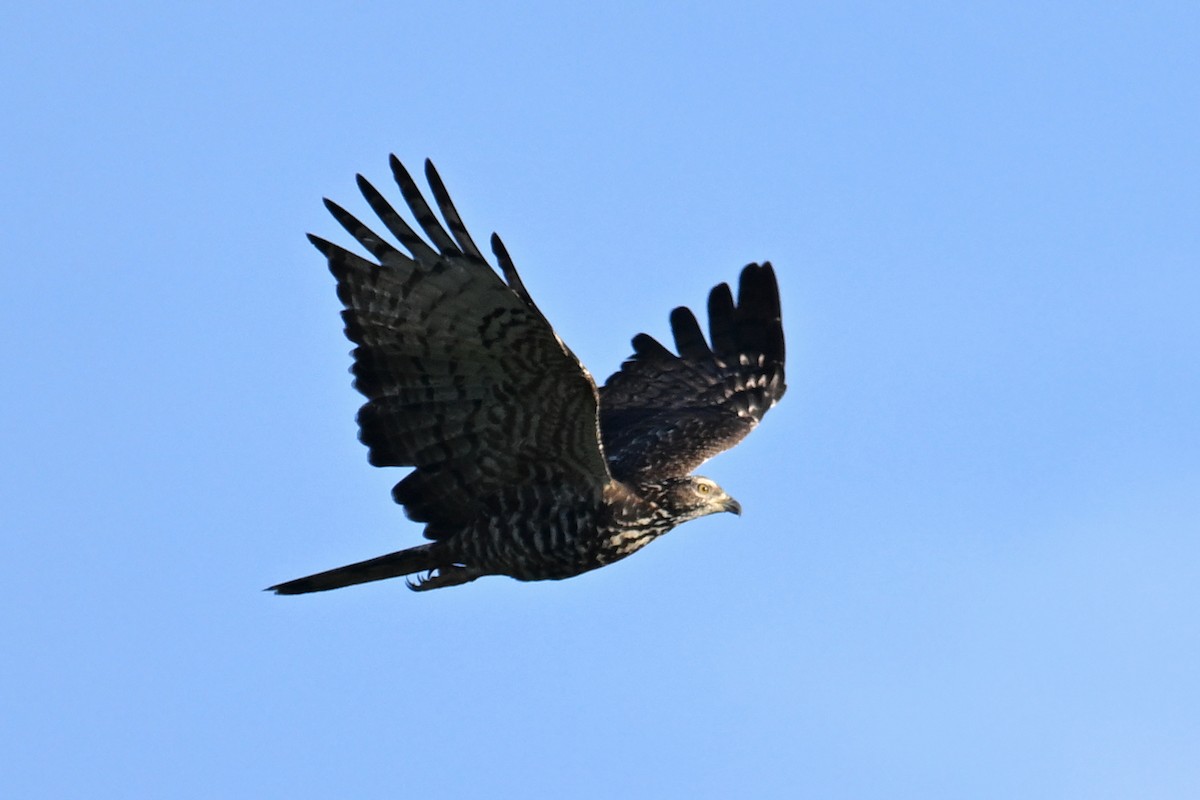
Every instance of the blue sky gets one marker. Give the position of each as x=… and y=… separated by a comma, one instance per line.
x=970, y=560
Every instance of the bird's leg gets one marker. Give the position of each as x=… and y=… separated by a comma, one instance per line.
x=445, y=576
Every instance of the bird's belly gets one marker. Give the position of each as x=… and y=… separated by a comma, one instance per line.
x=559, y=536
x=545, y=554
x=618, y=544
x=531, y=550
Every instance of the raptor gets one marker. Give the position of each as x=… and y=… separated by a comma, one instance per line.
x=521, y=465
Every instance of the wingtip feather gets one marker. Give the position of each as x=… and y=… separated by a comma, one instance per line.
x=325, y=246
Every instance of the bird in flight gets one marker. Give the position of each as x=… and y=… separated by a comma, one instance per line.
x=521, y=465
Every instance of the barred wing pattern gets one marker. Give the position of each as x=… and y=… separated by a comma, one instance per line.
x=662, y=414
x=465, y=379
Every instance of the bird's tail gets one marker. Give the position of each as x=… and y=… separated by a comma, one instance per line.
x=405, y=562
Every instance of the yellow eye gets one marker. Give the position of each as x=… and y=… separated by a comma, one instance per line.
x=705, y=488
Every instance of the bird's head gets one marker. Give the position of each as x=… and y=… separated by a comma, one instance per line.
x=692, y=496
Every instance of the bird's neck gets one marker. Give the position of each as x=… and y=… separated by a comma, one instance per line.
x=639, y=507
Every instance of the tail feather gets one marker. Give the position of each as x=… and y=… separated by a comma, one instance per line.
x=404, y=562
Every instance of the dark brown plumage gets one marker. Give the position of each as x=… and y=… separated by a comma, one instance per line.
x=522, y=467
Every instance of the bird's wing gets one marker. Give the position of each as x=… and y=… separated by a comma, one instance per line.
x=465, y=379
x=662, y=414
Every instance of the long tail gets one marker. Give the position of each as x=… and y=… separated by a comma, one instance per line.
x=405, y=562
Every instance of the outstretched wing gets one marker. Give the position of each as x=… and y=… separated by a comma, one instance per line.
x=464, y=378
x=662, y=414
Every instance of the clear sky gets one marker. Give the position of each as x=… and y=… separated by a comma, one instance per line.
x=969, y=564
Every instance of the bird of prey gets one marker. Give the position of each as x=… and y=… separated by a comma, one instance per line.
x=521, y=466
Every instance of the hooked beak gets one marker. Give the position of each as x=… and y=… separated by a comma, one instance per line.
x=732, y=506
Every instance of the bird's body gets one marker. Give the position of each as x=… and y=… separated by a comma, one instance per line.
x=522, y=466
